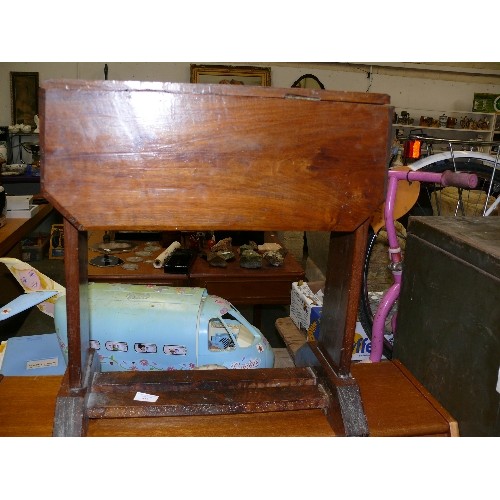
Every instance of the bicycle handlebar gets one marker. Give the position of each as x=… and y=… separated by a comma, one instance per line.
x=459, y=179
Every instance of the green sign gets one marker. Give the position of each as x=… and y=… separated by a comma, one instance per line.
x=486, y=103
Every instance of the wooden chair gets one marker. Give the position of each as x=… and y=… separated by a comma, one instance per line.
x=163, y=156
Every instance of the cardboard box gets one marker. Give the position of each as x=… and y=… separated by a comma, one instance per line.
x=20, y=202
x=306, y=304
x=34, y=249
x=305, y=311
x=23, y=213
x=33, y=356
x=362, y=345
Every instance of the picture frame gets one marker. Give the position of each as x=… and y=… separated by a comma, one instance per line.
x=24, y=97
x=56, y=249
x=233, y=75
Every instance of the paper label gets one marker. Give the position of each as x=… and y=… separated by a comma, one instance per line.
x=142, y=396
x=41, y=363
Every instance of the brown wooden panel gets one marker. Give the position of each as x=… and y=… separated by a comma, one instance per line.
x=27, y=405
x=75, y=270
x=170, y=156
x=405, y=411
x=186, y=380
x=31, y=404
x=299, y=423
x=342, y=290
x=395, y=405
x=211, y=402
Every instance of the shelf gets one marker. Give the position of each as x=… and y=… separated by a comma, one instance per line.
x=17, y=179
x=479, y=131
x=457, y=132
x=438, y=112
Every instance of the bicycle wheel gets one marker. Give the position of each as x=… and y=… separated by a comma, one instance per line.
x=433, y=200
x=437, y=200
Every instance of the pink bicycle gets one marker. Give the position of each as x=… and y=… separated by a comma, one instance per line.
x=452, y=182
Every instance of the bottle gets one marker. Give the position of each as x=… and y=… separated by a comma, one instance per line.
x=398, y=162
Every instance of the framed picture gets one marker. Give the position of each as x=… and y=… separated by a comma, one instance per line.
x=24, y=97
x=233, y=75
x=56, y=250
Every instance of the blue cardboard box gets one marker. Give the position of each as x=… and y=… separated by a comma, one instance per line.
x=32, y=356
x=315, y=323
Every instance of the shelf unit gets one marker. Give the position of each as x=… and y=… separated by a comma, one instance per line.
x=15, y=149
x=456, y=132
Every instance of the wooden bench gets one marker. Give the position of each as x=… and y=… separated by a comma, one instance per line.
x=163, y=156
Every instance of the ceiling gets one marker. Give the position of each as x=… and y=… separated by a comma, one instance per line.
x=473, y=72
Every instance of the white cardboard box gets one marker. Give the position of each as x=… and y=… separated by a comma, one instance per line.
x=20, y=202
x=306, y=302
x=23, y=214
x=306, y=307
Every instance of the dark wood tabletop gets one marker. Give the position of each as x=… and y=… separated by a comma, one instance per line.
x=265, y=285
x=145, y=273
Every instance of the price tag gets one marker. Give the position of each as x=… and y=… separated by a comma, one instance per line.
x=142, y=396
x=42, y=363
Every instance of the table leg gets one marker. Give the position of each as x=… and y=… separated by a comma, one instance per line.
x=257, y=316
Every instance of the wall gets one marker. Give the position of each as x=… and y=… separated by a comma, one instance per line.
x=441, y=88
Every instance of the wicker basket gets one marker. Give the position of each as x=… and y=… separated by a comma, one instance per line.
x=445, y=202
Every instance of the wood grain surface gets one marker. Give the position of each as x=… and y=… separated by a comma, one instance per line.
x=395, y=405
x=201, y=157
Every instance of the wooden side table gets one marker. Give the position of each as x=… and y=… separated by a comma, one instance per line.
x=209, y=158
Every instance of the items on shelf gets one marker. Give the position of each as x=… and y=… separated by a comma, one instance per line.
x=443, y=121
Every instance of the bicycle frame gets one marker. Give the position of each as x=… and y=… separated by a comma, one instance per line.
x=395, y=254
x=414, y=174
